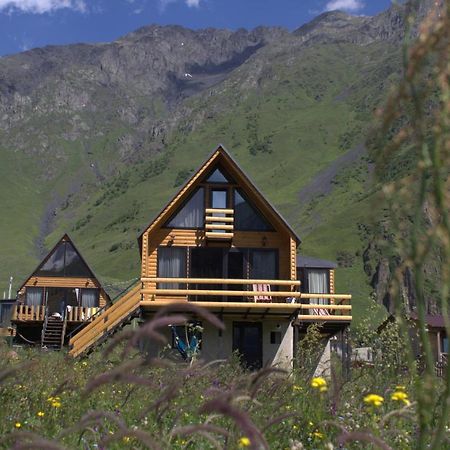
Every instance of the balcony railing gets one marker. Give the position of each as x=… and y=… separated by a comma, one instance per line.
x=28, y=313
x=31, y=313
x=314, y=307
x=219, y=224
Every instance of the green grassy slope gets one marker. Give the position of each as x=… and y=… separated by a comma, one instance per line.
x=285, y=116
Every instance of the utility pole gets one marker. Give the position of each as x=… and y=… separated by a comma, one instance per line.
x=10, y=286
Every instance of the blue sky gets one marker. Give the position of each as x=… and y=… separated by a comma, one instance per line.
x=26, y=24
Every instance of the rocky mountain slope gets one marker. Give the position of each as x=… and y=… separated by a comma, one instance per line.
x=94, y=138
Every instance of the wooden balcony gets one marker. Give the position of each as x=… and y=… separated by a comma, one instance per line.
x=311, y=307
x=29, y=313
x=219, y=224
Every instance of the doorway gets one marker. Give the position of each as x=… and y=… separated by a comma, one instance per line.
x=207, y=263
x=247, y=341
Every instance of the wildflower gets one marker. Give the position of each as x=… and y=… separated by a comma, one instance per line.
x=41, y=414
x=400, y=388
x=17, y=424
x=317, y=435
x=319, y=383
x=294, y=427
x=84, y=363
x=126, y=439
x=374, y=399
x=297, y=388
x=244, y=441
x=400, y=396
x=56, y=404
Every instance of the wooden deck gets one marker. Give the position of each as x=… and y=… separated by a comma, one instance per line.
x=29, y=313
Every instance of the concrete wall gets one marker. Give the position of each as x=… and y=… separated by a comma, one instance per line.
x=218, y=344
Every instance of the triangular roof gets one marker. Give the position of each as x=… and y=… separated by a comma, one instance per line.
x=220, y=154
x=64, y=238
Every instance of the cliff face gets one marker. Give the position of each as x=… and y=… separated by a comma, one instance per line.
x=94, y=138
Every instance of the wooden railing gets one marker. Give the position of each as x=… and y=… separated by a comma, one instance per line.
x=28, y=313
x=219, y=223
x=338, y=306
x=81, y=313
x=105, y=321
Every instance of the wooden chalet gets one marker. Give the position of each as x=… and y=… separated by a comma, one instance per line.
x=61, y=294
x=221, y=244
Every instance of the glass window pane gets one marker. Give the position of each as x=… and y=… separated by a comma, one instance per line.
x=75, y=267
x=34, y=296
x=191, y=215
x=263, y=264
x=246, y=216
x=90, y=298
x=218, y=199
x=172, y=264
x=217, y=177
x=54, y=266
x=318, y=284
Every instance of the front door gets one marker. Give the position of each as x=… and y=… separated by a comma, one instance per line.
x=247, y=340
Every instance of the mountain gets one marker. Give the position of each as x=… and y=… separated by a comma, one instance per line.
x=95, y=138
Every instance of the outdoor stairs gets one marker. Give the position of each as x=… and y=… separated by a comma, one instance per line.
x=107, y=322
x=53, y=333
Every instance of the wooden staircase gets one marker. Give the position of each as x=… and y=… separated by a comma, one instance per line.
x=107, y=323
x=53, y=332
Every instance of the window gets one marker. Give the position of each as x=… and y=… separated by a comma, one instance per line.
x=217, y=177
x=64, y=262
x=263, y=264
x=191, y=215
x=90, y=298
x=172, y=264
x=34, y=296
x=246, y=216
x=318, y=284
x=275, y=337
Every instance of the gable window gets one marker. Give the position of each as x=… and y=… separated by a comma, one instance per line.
x=191, y=214
x=172, y=264
x=217, y=176
x=246, y=216
x=64, y=262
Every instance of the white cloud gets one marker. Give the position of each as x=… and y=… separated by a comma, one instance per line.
x=344, y=5
x=190, y=3
x=41, y=6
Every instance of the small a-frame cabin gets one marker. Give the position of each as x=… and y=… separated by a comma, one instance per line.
x=61, y=294
x=221, y=244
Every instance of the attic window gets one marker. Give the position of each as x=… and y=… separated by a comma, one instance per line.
x=191, y=214
x=217, y=176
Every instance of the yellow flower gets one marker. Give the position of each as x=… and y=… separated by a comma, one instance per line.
x=374, y=399
x=41, y=414
x=318, y=435
x=244, y=442
x=126, y=439
x=294, y=427
x=400, y=396
x=319, y=383
x=297, y=388
x=17, y=424
x=56, y=404
x=84, y=363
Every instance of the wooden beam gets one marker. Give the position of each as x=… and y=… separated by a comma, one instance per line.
x=327, y=318
x=219, y=211
x=211, y=235
x=333, y=307
x=224, y=305
x=221, y=281
x=218, y=292
x=217, y=226
x=219, y=219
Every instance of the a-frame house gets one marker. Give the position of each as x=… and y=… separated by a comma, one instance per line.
x=60, y=295
x=221, y=244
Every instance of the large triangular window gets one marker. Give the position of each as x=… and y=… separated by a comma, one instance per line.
x=246, y=216
x=64, y=261
x=191, y=214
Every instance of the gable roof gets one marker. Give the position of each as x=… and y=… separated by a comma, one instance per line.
x=64, y=238
x=220, y=153
x=316, y=263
